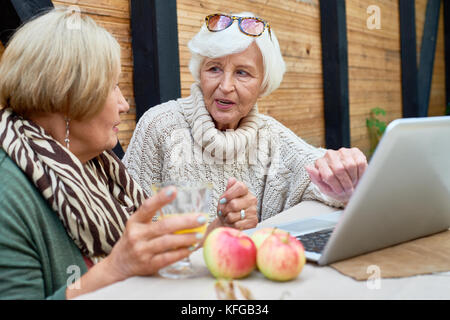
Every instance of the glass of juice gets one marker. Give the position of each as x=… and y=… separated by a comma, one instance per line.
x=192, y=197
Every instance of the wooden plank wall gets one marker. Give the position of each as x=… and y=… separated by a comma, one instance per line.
x=375, y=66
x=374, y=59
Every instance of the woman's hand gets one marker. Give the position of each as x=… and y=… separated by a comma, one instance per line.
x=237, y=206
x=337, y=173
x=145, y=246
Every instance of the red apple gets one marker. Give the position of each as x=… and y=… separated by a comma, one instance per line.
x=281, y=257
x=260, y=235
x=229, y=253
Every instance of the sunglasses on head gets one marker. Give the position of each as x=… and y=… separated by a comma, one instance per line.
x=250, y=26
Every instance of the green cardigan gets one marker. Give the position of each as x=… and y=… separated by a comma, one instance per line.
x=37, y=257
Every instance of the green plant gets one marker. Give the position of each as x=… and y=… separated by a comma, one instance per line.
x=376, y=127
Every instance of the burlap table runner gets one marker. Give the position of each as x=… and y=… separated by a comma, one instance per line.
x=421, y=256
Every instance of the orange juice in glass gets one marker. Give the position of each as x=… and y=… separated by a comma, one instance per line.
x=201, y=229
x=192, y=197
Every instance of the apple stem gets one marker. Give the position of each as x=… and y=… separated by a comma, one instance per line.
x=283, y=239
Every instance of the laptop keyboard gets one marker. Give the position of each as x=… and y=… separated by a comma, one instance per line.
x=315, y=241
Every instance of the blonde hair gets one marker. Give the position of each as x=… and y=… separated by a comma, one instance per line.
x=59, y=62
x=230, y=41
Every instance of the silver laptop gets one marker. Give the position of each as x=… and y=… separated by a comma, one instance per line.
x=403, y=195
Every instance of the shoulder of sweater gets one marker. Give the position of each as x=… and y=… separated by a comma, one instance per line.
x=275, y=127
x=169, y=110
x=3, y=156
x=271, y=123
x=18, y=195
x=9, y=171
x=287, y=137
x=159, y=120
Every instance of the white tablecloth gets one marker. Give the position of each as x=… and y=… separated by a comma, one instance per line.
x=314, y=282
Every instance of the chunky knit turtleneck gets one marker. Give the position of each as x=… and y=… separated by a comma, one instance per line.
x=178, y=141
x=219, y=145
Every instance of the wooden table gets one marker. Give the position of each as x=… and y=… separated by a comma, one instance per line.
x=314, y=282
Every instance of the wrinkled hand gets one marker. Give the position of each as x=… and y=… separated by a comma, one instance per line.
x=337, y=173
x=237, y=197
x=146, y=246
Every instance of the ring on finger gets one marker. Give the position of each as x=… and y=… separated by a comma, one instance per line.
x=242, y=214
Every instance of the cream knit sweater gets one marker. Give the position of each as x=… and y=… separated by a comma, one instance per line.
x=178, y=141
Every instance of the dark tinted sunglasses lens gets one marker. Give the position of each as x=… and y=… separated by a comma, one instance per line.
x=252, y=26
x=217, y=23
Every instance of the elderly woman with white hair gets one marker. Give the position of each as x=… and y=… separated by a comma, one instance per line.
x=257, y=165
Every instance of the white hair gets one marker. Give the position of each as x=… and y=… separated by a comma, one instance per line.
x=207, y=44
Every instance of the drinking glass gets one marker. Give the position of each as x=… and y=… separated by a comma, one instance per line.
x=191, y=198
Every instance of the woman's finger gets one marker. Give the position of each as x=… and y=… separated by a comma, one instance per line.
x=230, y=183
x=237, y=190
x=170, y=242
x=223, y=199
x=175, y=223
x=360, y=160
x=246, y=224
x=339, y=171
x=238, y=204
x=314, y=175
x=250, y=220
x=150, y=206
x=349, y=164
x=234, y=217
x=328, y=176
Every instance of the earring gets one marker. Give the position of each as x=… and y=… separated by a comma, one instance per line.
x=67, y=140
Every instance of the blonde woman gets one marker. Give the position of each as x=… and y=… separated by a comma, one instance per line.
x=258, y=166
x=71, y=220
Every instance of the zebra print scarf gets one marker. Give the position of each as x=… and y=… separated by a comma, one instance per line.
x=93, y=200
